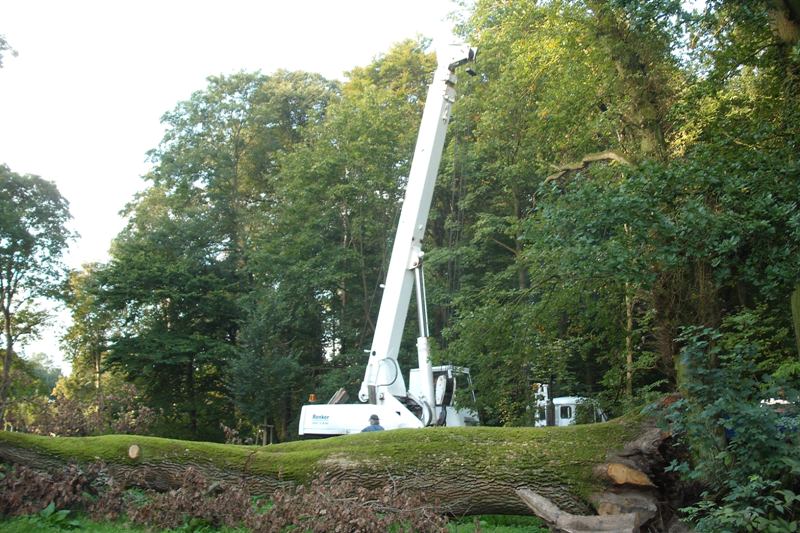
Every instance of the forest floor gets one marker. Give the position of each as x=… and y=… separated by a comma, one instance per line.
x=469, y=524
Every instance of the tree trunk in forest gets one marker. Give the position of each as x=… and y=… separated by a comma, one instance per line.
x=522, y=272
x=795, y=299
x=628, y=341
x=785, y=20
x=192, y=396
x=465, y=470
x=7, y=358
x=98, y=385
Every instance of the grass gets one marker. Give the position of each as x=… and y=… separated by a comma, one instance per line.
x=26, y=524
x=498, y=524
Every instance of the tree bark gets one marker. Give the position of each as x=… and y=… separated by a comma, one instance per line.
x=628, y=341
x=5, y=381
x=570, y=523
x=463, y=470
x=795, y=304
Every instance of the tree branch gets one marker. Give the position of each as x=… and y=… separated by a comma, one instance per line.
x=586, y=161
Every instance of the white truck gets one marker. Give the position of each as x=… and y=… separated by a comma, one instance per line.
x=564, y=408
x=429, y=398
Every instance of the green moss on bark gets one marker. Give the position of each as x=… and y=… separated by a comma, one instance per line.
x=563, y=456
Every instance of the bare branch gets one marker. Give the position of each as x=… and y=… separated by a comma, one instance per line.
x=586, y=161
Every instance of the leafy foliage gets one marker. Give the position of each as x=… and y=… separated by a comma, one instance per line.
x=65, y=414
x=745, y=443
x=33, y=380
x=49, y=517
x=171, y=294
x=26, y=491
x=266, y=366
x=32, y=237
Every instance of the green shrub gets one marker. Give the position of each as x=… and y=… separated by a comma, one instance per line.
x=744, y=452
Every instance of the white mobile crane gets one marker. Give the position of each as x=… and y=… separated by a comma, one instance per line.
x=429, y=398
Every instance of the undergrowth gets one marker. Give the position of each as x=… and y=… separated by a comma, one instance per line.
x=740, y=425
x=472, y=524
x=46, y=501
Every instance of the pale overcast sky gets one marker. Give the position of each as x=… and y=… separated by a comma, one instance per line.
x=81, y=103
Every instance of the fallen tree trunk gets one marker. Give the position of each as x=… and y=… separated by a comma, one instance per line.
x=465, y=470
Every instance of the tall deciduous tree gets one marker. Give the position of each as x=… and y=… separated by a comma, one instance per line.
x=181, y=271
x=350, y=173
x=645, y=247
x=176, y=298
x=275, y=339
x=87, y=340
x=33, y=235
x=548, y=97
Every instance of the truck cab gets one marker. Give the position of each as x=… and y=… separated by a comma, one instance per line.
x=565, y=409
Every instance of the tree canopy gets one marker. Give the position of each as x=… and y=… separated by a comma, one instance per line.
x=618, y=171
x=33, y=235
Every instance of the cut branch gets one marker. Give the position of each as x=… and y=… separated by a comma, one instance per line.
x=548, y=511
x=607, y=156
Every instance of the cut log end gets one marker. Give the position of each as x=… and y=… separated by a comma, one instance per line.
x=621, y=474
x=134, y=451
x=642, y=501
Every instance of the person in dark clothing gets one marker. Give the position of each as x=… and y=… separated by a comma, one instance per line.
x=374, y=424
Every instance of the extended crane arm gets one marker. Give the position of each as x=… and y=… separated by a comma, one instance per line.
x=383, y=380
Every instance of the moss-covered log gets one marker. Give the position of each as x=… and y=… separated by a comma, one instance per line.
x=465, y=470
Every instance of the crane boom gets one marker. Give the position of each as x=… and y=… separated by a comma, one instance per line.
x=382, y=376
x=383, y=384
